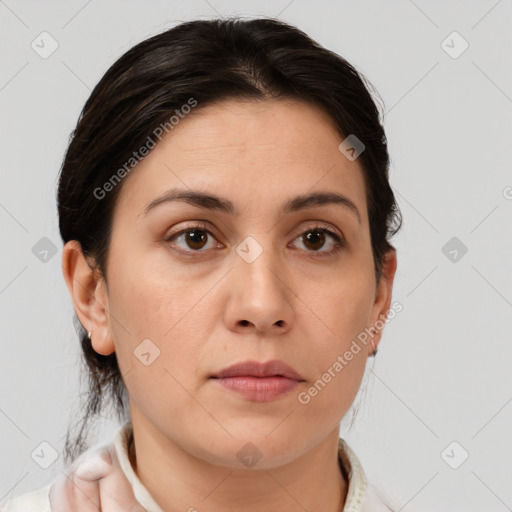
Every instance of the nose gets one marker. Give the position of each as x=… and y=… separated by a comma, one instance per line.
x=259, y=296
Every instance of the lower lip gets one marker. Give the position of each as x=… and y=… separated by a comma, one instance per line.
x=259, y=389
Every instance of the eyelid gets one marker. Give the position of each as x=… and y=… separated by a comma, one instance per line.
x=198, y=224
x=321, y=225
x=340, y=242
x=204, y=226
x=201, y=225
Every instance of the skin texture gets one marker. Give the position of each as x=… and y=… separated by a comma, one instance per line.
x=210, y=309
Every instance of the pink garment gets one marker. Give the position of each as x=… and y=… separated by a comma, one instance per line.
x=102, y=479
x=94, y=483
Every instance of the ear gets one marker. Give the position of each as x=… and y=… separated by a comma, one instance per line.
x=89, y=295
x=383, y=298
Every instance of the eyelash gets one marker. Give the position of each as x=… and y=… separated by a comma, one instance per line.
x=340, y=242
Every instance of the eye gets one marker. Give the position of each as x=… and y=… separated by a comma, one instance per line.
x=193, y=239
x=316, y=238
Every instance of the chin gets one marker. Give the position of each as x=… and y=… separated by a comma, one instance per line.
x=255, y=450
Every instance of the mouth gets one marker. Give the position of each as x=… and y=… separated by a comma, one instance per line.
x=257, y=381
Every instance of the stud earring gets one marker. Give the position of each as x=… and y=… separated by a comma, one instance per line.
x=89, y=334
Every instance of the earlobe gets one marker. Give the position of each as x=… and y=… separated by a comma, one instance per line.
x=87, y=290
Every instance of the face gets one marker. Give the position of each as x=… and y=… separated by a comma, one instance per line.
x=195, y=285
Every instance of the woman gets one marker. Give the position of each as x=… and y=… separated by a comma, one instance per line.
x=226, y=214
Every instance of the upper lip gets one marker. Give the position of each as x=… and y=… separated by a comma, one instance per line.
x=260, y=369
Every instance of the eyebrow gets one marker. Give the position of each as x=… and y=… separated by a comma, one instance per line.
x=216, y=203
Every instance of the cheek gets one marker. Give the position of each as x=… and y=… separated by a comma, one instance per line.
x=332, y=394
x=157, y=317
x=334, y=323
x=337, y=359
x=153, y=332
x=340, y=307
x=149, y=296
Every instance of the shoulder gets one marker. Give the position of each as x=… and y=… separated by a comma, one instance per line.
x=78, y=486
x=33, y=501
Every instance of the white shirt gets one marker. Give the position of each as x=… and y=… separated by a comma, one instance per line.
x=102, y=480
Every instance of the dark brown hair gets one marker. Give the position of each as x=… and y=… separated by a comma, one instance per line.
x=208, y=61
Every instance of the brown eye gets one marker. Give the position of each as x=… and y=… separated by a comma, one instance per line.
x=314, y=240
x=193, y=239
x=196, y=238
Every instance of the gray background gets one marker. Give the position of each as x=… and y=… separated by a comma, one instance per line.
x=442, y=373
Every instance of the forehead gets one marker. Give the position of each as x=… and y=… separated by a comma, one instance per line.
x=255, y=127
x=267, y=150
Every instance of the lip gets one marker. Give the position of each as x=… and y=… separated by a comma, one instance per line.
x=259, y=381
x=271, y=368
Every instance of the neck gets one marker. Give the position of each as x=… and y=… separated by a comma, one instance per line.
x=179, y=481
